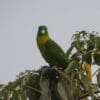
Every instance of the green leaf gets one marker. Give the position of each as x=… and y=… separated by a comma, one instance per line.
x=96, y=57
x=97, y=40
x=87, y=58
x=16, y=95
x=87, y=85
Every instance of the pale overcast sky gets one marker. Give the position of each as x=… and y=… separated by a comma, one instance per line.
x=19, y=21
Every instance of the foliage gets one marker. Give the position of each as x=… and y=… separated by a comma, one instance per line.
x=52, y=83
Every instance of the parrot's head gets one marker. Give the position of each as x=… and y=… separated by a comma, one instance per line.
x=42, y=31
x=42, y=35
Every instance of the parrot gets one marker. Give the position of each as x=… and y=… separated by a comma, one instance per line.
x=50, y=50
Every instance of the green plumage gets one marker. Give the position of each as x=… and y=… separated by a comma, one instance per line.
x=50, y=50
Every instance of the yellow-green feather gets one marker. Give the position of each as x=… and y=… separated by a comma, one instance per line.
x=42, y=40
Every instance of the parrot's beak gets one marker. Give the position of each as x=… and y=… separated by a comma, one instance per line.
x=42, y=31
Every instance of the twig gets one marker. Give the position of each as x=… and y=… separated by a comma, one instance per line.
x=37, y=90
x=63, y=75
x=95, y=72
x=86, y=95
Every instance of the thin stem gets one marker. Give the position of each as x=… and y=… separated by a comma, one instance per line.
x=86, y=95
x=37, y=90
x=95, y=72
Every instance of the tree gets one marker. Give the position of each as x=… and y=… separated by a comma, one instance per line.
x=52, y=83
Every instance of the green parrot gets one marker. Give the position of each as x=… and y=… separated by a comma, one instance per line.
x=50, y=50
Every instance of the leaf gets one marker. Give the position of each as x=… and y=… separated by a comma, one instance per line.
x=88, y=70
x=74, y=85
x=96, y=57
x=97, y=40
x=87, y=58
x=16, y=95
x=65, y=86
x=90, y=44
x=98, y=78
x=87, y=85
x=79, y=45
x=71, y=67
x=68, y=52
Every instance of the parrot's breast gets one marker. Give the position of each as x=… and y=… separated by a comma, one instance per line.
x=42, y=40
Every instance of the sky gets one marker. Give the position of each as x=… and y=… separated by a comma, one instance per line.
x=19, y=21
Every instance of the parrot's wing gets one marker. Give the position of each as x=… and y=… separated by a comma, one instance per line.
x=55, y=52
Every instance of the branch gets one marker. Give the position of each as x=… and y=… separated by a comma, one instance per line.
x=63, y=75
x=95, y=72
x=37, y=90
x=86, y=95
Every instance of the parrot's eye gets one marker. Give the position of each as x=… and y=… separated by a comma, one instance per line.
x=43, y=32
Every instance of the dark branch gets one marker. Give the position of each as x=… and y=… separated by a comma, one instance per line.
x=86, y=95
